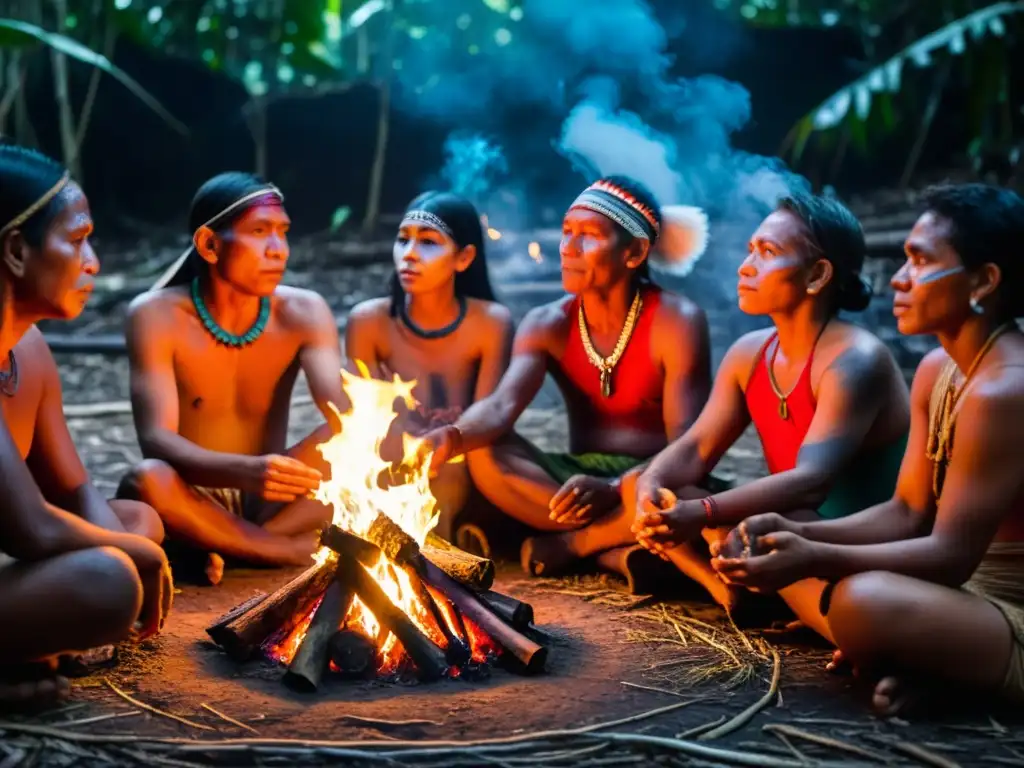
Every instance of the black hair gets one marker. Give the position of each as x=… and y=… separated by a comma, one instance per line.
x=25, y=176
x=643, y=195
x=987, y=228
x=463, y=219
x=836, y=234
x=210, y=199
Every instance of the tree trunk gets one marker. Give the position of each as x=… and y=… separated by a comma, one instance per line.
x=69, y=150
x=108, y=44
x=256, y=119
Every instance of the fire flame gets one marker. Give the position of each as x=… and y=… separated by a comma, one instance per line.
x=362, y=484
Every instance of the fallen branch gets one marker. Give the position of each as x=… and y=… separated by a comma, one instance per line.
x=747, y=714
x=98, y=719
x=383, y=721
x=154, y=710
x=825, y=741
x=227, y=719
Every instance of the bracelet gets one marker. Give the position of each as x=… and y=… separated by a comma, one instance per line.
x=710, y=508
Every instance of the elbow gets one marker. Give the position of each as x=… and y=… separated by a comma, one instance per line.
x=954, y=565
x=811, y=487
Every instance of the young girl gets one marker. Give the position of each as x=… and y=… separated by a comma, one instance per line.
x=440, y=325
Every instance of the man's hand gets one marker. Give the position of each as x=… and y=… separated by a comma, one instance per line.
x=744, y=539
x=280, y=478
x=790, y=558
x=583, y=498
x=667, y=523
x=443, y=444
x=157, y=583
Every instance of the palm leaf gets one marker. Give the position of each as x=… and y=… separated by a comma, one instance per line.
x=18, y=33
x=887, y=78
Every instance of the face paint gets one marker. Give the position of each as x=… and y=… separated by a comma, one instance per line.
x=931, y=277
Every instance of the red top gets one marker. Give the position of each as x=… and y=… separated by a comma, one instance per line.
x=780, y=439
x=637, y=382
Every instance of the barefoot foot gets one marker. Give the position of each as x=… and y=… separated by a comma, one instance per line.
x=894, y=696
x=645, y=573
x=545, y=556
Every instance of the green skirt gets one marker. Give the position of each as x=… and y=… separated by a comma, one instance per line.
x=870, y=480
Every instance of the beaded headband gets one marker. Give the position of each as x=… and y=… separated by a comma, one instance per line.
x=37, y=206
x=431, y=219
x=621, y=207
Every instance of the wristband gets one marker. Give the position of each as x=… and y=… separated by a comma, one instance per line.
x=710, y=509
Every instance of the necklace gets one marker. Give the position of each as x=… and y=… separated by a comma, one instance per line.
x=9, y=379
x=437, y=333
x=783, y=404
x=224, y=337
x=607, y=364
x=942, y=413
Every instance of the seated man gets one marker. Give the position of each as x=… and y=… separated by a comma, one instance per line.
x=76, y=571
x=827, y=399
x=214, y=351
x=935, y=574
x=632, y=362
x=441, y=326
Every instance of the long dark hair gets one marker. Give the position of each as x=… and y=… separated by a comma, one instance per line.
x=211, y=198
x=463, y=219
x=25, y=176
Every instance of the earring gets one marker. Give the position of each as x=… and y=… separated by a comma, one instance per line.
x=976, y=308
x=812, y=291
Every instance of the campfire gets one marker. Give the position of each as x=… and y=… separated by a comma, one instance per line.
x=384, y=596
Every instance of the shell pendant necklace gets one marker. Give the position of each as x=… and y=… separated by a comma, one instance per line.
x=783, y=397
x=605, y=365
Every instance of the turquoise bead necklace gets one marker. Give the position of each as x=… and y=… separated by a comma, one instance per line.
x=224, y=337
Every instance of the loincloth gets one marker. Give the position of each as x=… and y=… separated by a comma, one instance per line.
x=231, y=500
x=999, y=579
x=561, y=466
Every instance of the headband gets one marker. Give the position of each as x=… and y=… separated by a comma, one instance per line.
x=431, y=219
x=37, y=206
x=621, y=207
x=182, y=264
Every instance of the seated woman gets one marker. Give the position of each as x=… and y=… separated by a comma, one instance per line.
x=632, y=362
x=933, y=575
x=827, y=399
x=440, y=326
x=76, y=571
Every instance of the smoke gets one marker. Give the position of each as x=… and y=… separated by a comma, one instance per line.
x=593, y=79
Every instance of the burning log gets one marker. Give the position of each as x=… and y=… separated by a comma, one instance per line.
x=428, y=658
x=530, y=655
x=473, y=571
x=353, y=652
x=398, y=546
x=513, y=612
x=312, y=659
x=243, y=634
x=215, y=629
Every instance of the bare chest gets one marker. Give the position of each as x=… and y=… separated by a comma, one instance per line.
x=21, y=410
x=216, y=379
x=445, y=370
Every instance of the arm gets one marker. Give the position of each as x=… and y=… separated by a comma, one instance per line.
x=687, y=460
x=496, y=353
x=154, y=396
x=847, y=408
x=983, y=482
x=320, y=356
x=684, y=345
x=487, y=420
x=910, y=511
x=53, y=460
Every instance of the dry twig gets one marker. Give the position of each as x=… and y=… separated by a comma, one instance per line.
x=748, y=714
x=227, y=719
x=825, y=741
x=154, y=710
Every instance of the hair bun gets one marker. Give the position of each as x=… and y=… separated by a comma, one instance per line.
x=855, y=294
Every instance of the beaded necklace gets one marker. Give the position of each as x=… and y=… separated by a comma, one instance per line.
x=225, y=337
x=605, y=365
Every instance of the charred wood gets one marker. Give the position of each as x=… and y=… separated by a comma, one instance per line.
x=511, y=611
x=313, y=657
x=353, y=653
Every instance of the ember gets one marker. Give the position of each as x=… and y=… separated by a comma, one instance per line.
x=384, y=595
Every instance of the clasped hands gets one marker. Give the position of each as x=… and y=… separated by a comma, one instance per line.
x=764, y=553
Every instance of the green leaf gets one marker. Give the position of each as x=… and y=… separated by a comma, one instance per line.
x=23, y=33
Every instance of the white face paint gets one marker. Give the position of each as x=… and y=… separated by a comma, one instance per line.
x=931, y=277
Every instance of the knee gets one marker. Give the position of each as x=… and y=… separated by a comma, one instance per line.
x=862, y=609
x=150, y=481
x=141, y=519
x=106, y=588
x=484, y=464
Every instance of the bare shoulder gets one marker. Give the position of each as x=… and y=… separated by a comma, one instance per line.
x=163, y=302
x=302, y=309
x=490, y=316
x=32, y=350
x=370, y=313
x=856, y=350
x=739, y=359
x=678, y=311
x=550, y=318
x=927, y=374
